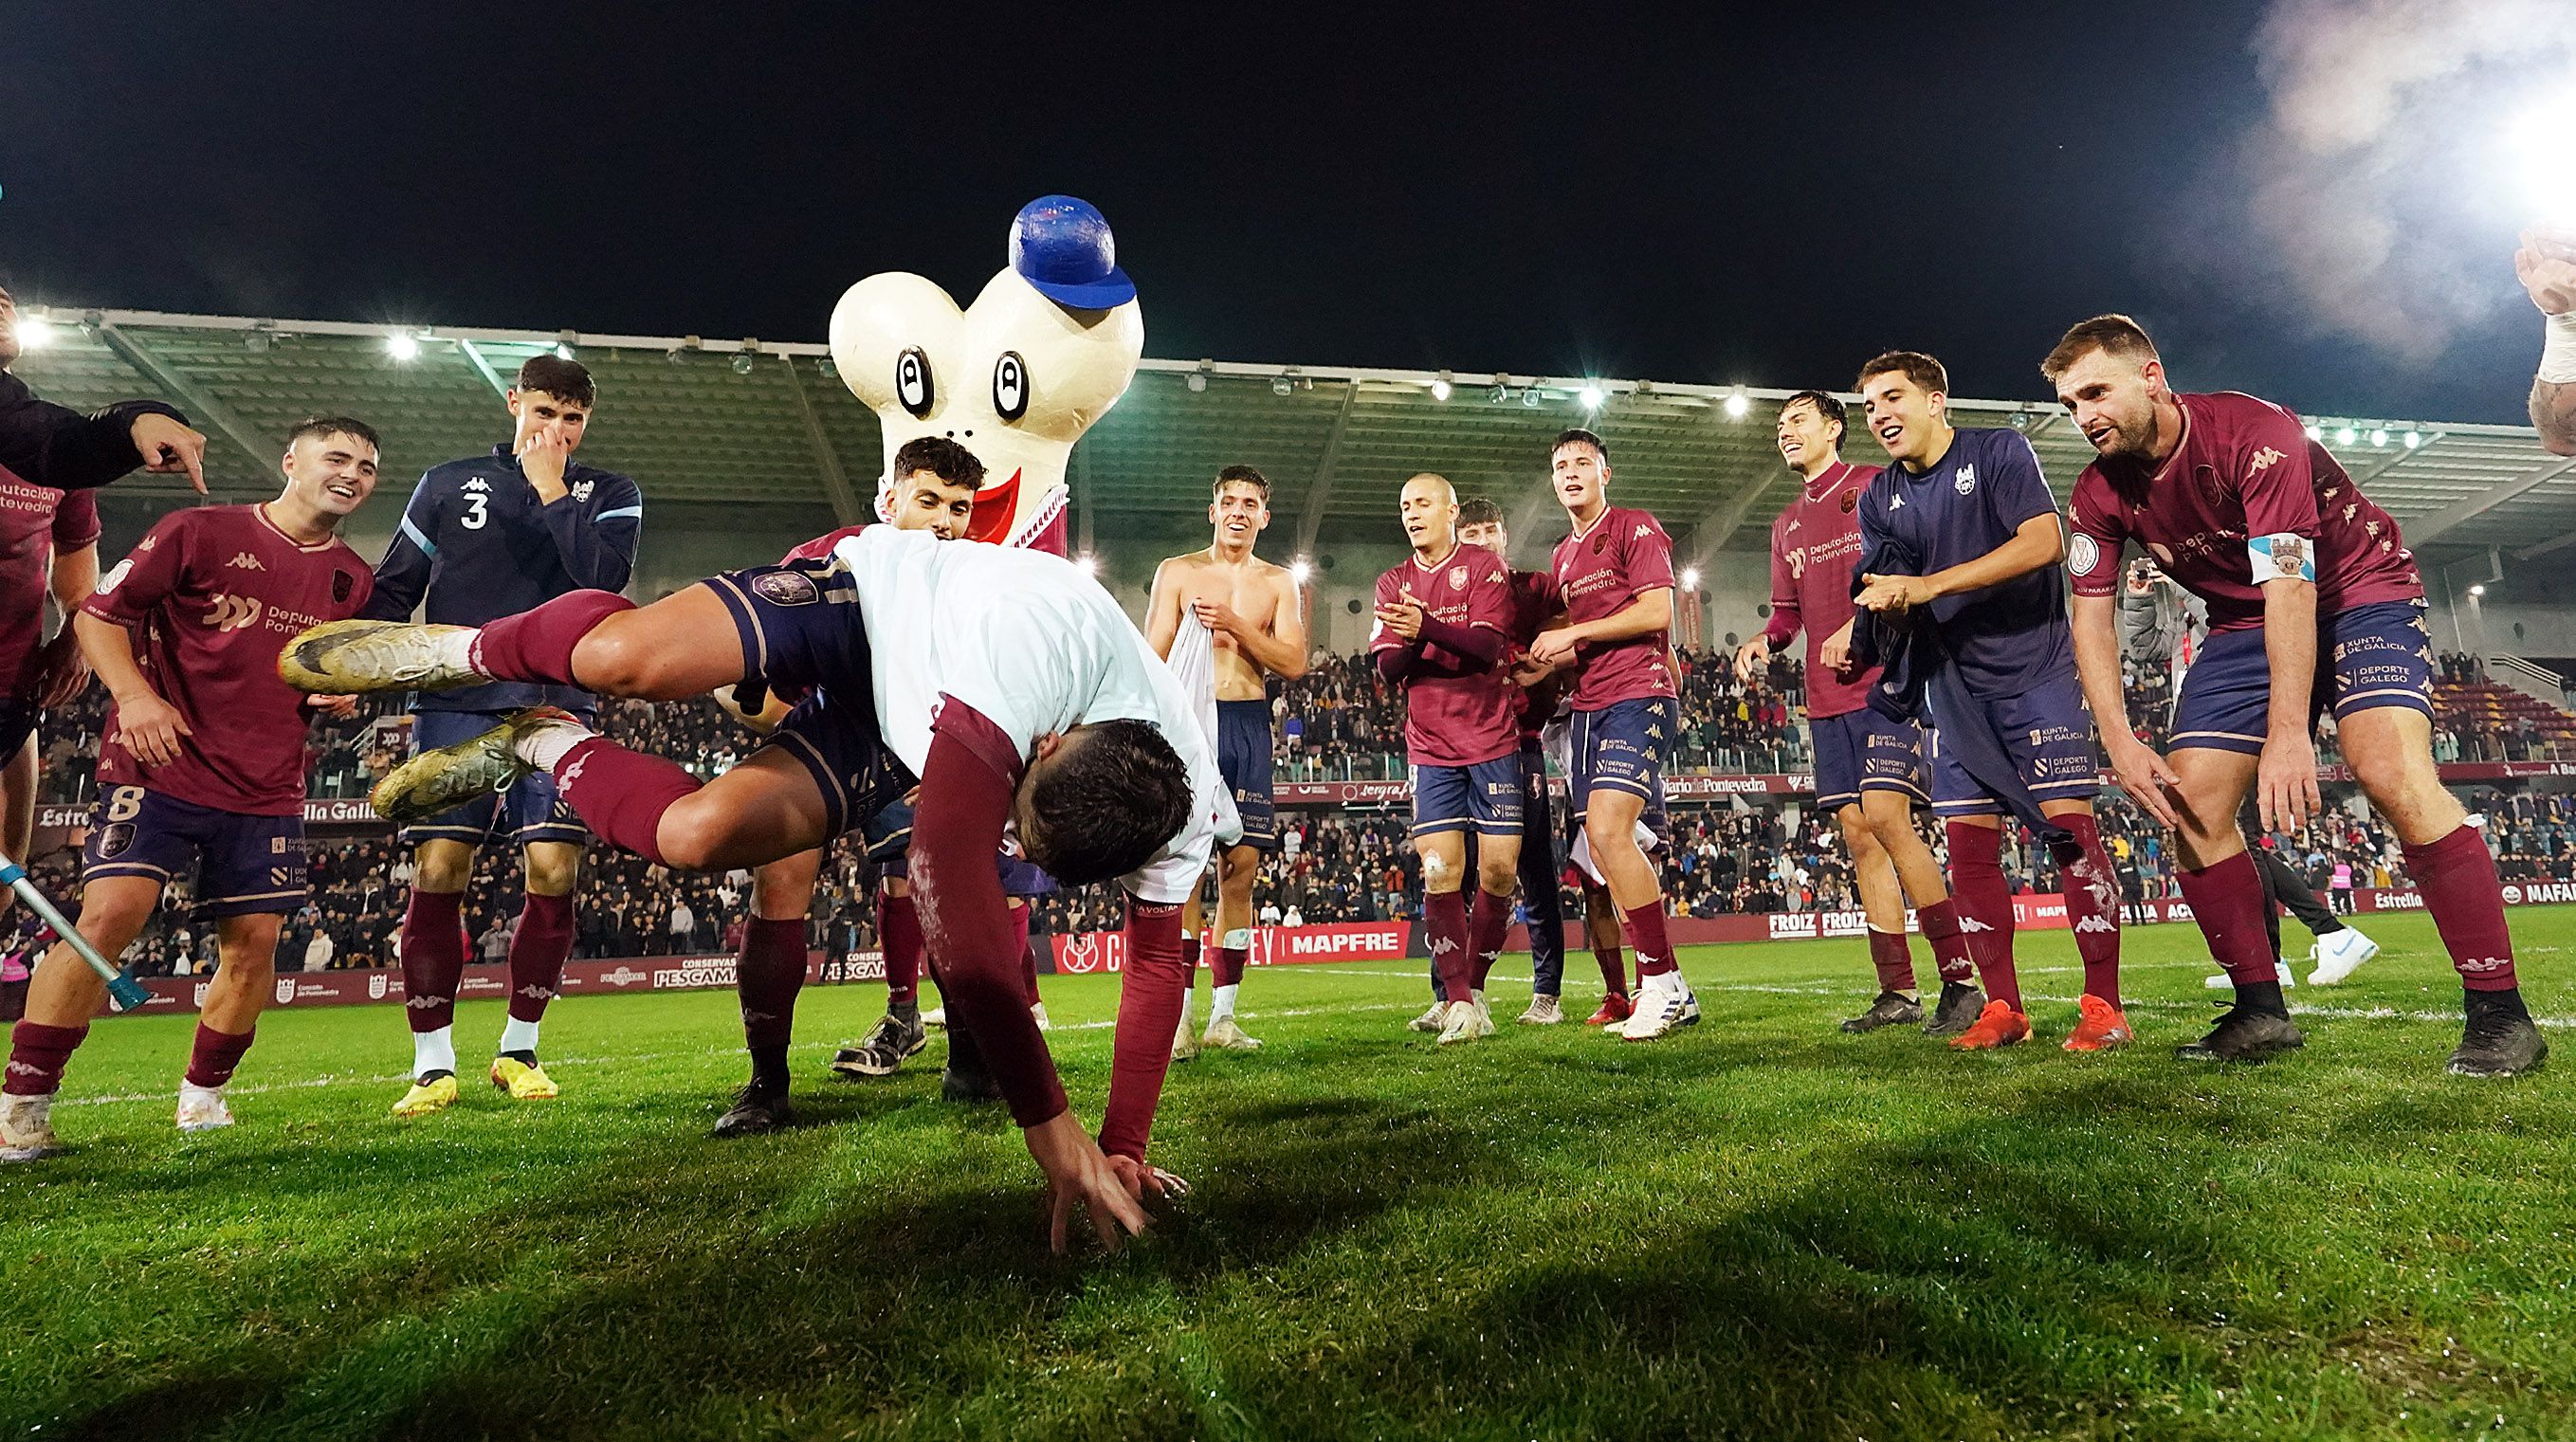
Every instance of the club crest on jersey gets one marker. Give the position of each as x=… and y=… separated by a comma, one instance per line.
x=1851, y=502
x=1965, y=481
x=581, y=489
x=1457, y=575
x=786, y=588
x=342, y=583
x=245, y=561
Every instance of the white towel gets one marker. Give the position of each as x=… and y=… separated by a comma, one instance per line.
x=1193, y=663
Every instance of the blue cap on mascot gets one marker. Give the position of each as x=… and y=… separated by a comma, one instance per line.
x=1062, y=246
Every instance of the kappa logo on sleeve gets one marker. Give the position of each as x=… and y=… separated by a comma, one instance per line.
x=2264, y=459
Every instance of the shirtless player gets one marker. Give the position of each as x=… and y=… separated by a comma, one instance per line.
x=1253, y=608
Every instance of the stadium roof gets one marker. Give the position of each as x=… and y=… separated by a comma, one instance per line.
x=747, y=422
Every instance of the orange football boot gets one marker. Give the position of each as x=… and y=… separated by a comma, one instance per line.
x=1998, y=1025
x=1614, y=1009
x=2101, y=1027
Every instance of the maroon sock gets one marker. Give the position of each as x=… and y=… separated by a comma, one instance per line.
x=1028, y=956
x=1888, y=953
x=622, y=794
x=1613, y=960
x=1227, y=969
x=899, y=938
x=1940, y=923
x=1444, y=922
x=1646, y=935
x=2227, y=901
x=37, y=1055
x=1487, y=926
x=1190, y=949
x=768, y=973
x=538, y=953
x=2092, y=904
x=537, y=645
x=2458, y=878
x=212, y=1059
x=1150, y=995
x=433, y=957
x=1985, y=907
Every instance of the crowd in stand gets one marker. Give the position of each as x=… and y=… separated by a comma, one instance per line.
x=1743, y=855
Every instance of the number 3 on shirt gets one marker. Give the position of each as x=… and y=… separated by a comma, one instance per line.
x=474, y=517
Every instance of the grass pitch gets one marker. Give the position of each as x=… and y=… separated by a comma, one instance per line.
x=1762, y=1228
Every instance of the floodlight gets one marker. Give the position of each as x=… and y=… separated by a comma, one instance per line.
x=2478, y=590
x=2413, y=439
x=1738, y=405
x=402, y=345
x=1690, y=578
x=34, y=334
x=2346, y=436
x=1301, y=570
x=1592, y=396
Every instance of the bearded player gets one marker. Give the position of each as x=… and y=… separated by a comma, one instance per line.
x=2314, y=602
x=201, y=762
x=1440, y=635
x=1614, y=578
x=1869, y=766
x=481, y=538
x=1259, y=625
x=1004, y=683
x=1974, y=512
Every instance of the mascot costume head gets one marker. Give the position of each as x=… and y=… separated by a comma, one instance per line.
x=1017, y=377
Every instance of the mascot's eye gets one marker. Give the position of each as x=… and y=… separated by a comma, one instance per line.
x=912, y=381
x=1010, y=386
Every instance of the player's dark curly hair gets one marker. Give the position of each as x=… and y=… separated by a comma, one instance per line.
x=940, y=456
x=1479, y=511
x=566, y=380
x=1827, y=408
x=1105, y=802
x=1241, y=475
x=1578, y=436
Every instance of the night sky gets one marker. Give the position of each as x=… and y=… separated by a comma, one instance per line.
x=1720, y=199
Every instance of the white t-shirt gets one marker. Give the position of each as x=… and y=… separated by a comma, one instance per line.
x=1037, y=647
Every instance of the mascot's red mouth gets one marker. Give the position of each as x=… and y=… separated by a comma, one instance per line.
x=995, y=508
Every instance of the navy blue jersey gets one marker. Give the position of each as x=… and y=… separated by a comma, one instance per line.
x=475, y=543
x=2007, y=638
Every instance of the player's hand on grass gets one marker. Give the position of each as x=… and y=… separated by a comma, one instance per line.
x=1893, y=593
x=169, y=448
x=543, y=457
x=1752, y=657
x=1078, y=1175
x=2546, y=266
x=62, y=672
x=1835, y=654
x=150, y=728
x=2285, y=782
x=1404, y=618
x=1143, y=1179
x=2144, y=775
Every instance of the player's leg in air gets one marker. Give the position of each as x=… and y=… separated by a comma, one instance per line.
x=250, y=874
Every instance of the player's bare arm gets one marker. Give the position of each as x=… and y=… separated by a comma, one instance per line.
x=2143, y=774
x=148, y=724
x=2036, y=543
x=2546, y=265
x=65, y=670
x=2285, y=783
x=1163, y=609
x=1649, y=614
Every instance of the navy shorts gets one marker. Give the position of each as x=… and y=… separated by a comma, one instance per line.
x=1243, y=759
x=2367, y=657
x=17, y=723
x=529, y=809
x=1485, y=797
x=860, y=779
x=1621, y=748
x=245, y=865
x=2049, y=736
x=1865, y=751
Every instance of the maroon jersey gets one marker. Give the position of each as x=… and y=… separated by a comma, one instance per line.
x=1534, y=604
x=213, y=594
x=1599, y=571
x=1455, y=720
x=1814, y=545
x=37, y=523
x=2245, y=482
x=821, y=546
